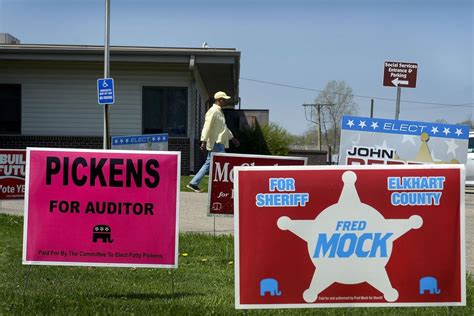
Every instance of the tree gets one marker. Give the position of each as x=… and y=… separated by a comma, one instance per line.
x=468, y=121
x=307, y=138
x=339, y=95
x=277, y=139
x=269, y=139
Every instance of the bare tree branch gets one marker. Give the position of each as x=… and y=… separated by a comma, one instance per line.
x=339, y=94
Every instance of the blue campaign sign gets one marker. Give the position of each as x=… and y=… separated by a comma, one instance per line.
x=141, y=142
x=105, y=91
x=368, y=141
x=413, y=128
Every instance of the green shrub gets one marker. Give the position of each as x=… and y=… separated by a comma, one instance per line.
x=271, y=139
x=277, y=139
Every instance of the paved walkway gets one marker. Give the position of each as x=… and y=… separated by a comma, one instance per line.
x=193, y=218
x=192, y=214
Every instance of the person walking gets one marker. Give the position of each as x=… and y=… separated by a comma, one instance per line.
x=215, y=137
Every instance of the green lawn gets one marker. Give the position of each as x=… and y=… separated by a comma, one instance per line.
x=185, y=180
x=203, y=284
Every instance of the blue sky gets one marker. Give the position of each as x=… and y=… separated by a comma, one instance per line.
x=298, y=43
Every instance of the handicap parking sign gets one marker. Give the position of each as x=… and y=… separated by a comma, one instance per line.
x=105, y=91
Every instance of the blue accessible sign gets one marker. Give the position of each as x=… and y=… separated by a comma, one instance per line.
x=105, y=91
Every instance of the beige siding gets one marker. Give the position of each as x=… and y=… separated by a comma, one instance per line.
x=201, y=109
x=60, y=98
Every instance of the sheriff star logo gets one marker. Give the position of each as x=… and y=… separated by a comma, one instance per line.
x=354, y=255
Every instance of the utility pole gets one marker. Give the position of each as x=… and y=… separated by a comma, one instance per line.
x=318, y=106
x=372, y=108
x=106, y=70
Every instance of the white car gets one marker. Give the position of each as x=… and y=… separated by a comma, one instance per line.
x=470, y=161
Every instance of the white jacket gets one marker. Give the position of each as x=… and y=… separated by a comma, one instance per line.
x=215, y=130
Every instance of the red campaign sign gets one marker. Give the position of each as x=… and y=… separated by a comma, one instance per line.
x=221, y=179
x=12, y=174
x=349, y=236
x=101, y=208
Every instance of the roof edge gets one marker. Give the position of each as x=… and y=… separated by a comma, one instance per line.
x=125, y=49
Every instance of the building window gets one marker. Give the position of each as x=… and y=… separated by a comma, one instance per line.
x=10, y=109
x=165, y=110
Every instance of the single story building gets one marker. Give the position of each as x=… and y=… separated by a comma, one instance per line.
x=48, y=94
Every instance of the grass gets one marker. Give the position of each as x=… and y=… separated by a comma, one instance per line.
x=185, y=180
x=202, y=285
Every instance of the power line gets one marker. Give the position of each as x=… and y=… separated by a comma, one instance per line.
x=437, y=105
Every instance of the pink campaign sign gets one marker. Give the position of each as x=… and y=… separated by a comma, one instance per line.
x=101, y=208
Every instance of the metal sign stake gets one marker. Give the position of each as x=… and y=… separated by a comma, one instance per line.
x=172, y=282
x=214, y=226
x=27, y=281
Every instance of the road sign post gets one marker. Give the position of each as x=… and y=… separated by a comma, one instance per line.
x=397, y=108
x=106, y=70
x=399, y=75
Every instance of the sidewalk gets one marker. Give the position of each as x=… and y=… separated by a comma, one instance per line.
x=192, y=214
x=193, y=218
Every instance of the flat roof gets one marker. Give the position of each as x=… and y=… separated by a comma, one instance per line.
x=219, y=67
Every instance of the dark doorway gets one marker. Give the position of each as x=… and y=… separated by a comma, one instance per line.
x=10, y=109
x=165, y=110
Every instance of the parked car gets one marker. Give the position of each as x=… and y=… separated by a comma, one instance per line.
x=470, y=161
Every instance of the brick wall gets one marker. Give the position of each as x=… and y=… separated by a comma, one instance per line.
x=86, y=142
x=21, y=142
x=181, y=144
